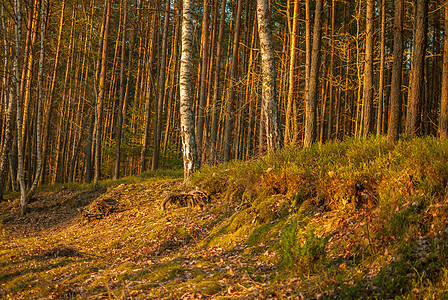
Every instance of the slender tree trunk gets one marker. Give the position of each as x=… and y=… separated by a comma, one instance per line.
x=331, y=71
x=379, y=123
x=290, y=136
x=444, y=97
x=395, y=97
x=9, y=113
x=311, y=100
x=230, y=94
x=46, y=128
x=203, y=85
x=122, y=90
x=190, y=156
x=150, y=88
x=161, y=91
x=368, y=72
x=272, y=118
x=307, y=47
x=214, y=121
x=417, y=70
x=102, y=90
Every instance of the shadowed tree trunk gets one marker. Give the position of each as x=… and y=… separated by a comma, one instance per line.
x=311, y=97
x=395, y=88
x=214, y=121
x=230, y=91
x=417, y=70
x=161, y=91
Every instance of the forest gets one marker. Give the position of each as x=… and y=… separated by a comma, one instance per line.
x=183, y=149
x=94, y=89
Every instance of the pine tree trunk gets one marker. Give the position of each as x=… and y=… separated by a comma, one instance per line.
x=444, y=97
x=368, y=72
x=395, y=97
x=203, y=82
x=311, y=99
x=379, y=123
x=122, y=90
x=149, y=95
x=9, y=112
x=161, y=91
x=417, y=70
x=228, y=130
x=102, y=90
x=290, y=136
x=190, y=156
x=214, y=121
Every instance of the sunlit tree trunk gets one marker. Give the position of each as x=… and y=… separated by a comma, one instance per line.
x=102, y=90
x=290, y=135
x=190, y=156
x=368, y=72
x=270, y=106
x=149, y=96
x=122, y=91
x=203, y=82
x=379, y=127
x=444, y=97
x=10, y=103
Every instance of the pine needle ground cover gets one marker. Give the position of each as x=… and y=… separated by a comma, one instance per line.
x=345, y=220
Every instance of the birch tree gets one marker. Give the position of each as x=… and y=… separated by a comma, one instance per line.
x=270, y=107
x=189, y=151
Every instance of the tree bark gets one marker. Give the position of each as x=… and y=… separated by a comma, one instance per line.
x=190, y=156
x=203, y=85
x=417, y=70
x=395, y=93
x=290, y=135
x=311, y=99
x=443, y=123
x=379, y=123
x=270, y=106
x=230, y=94
x=102, y=90
x=214, y=121
x=161, y=91
x=122, y=90
x=368, y=72
x=149, y=93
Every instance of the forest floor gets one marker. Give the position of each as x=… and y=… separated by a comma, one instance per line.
x=346, y=220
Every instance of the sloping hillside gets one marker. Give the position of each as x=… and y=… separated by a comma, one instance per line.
x=347, y=220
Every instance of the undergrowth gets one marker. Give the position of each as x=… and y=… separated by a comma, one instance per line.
x=353, y=219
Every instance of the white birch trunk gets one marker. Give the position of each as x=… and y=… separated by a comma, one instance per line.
x=270, y=107
x=190, y=156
